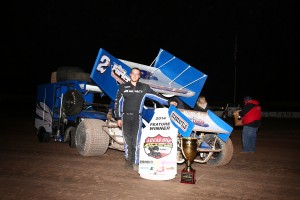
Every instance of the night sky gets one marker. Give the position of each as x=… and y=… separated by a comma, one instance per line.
x=257, y=39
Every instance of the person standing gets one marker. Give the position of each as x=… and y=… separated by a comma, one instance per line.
x=128, y=108
x=201, y=104
x=251, y=121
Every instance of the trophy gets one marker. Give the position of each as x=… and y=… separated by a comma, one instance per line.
x=189, y=150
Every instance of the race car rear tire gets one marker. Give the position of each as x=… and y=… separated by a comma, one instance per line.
x=72, y=142
x=90, y=138
x=71, y=73
x=66, y=69
x=72, y=103
x=219, y=158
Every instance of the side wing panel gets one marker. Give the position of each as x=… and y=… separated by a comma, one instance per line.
x=108, y=72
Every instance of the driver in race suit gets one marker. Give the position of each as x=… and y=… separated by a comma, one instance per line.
x=128, y=108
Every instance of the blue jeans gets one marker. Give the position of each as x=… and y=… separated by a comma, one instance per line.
x=249, y=138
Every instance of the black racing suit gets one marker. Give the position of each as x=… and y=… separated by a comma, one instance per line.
x=128, y=107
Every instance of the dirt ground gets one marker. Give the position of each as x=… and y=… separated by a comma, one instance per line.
x=33, y=170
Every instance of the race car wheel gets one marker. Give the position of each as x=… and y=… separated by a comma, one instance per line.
x=72, y=103
x=43, y=136
x=67, y=69
x=90, y=138
x=219, y=158
x=72, y=134
x=72, y=73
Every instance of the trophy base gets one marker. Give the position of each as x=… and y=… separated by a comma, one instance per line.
x=188, y=176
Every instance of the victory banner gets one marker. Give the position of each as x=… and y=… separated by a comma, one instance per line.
x=158, y=148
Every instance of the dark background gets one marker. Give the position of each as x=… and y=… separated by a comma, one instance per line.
x=245, y=47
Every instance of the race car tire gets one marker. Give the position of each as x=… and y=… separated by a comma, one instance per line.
x=43, y=136
x=66, y=69
x=219, y=158
x=72, y=142
x=90, y=138
x=72, y=103
x=72, y=73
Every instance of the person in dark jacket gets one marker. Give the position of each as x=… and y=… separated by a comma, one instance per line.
x=201, y=104
x=251, y=120
x=128, y=108
x=175, y=101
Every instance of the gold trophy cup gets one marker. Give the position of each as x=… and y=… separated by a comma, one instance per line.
x=189, y=150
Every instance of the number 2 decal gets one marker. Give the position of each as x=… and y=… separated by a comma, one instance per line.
x=103, y=64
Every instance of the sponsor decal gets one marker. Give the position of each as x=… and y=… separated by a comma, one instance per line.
x=179, y=121
x=119, y=74
x=103, y=64
x=158, y=146
x=117, y=71
x=199, y=122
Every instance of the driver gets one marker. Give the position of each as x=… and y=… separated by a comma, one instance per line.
x=128, y=108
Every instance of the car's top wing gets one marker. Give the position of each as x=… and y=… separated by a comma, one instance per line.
x=158, y=81
x=169, y=76
x=181, y=73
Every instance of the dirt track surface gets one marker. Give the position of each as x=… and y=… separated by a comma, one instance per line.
x=33, y=170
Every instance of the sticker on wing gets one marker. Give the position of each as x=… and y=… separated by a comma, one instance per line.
x=208, y=122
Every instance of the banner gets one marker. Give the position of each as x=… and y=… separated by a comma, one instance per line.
x=158, y=148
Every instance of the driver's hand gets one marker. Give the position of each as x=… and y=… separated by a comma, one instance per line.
x=174, y=103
